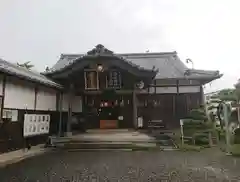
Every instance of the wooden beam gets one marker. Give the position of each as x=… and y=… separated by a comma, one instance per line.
x=174, y=105
x=60, y=114
x=3, y=93
x=35, y=97
x=177, y=86
x=155, y=88
x=201, y=96
x=70, y=99
x=177, y=100
x=174, y=85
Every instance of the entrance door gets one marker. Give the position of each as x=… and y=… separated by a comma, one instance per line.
x=108, y=115
x=126, y=111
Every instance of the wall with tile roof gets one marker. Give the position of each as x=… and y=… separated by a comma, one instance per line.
x=19, y=94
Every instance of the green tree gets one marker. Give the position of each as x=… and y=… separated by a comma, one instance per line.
x=27, y=65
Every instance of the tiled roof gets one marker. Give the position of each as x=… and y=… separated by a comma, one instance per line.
x=203, y=74
x=168, y=64
x=15, y=70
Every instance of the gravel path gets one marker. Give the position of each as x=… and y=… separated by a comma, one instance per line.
x=208, y=165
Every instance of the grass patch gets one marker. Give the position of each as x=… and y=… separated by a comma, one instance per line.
x=186, y=147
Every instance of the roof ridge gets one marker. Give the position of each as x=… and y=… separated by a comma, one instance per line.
x=121, y=54
x=148, y=53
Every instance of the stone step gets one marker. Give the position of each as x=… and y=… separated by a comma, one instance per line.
x=114, y=145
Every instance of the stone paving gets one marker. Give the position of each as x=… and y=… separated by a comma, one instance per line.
x=114, y=136
x=18, y=155
x=208, y=165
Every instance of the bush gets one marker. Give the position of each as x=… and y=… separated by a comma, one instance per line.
x=237, y=136
x=198, y=114
x=197, y=124
x=235, y=149
x=211, y=107
x=202, y=140
x=187, y=147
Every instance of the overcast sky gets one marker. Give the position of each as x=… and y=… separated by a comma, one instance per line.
x=207, y=31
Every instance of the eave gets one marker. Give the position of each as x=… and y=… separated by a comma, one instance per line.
x=80, y=63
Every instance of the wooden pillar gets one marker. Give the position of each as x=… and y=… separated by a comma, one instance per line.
x=134, y=100
x=60, y=102
x=174, y=105
x=35, y=97
x=3, y=94
x=188, y=103
x=177, y=86
x=176, y=99
x=202, y=99
x=70, y=100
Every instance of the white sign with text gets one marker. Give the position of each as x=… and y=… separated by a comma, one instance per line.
x=36, y=124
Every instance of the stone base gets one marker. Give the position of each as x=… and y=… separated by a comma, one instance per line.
x=68, y=134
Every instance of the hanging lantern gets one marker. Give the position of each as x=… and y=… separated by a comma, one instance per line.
x=100, y=68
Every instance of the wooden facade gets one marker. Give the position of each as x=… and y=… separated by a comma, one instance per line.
x=157, y=99
x=78, y=89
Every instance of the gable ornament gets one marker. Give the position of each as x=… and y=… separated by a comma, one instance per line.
x=99, y=50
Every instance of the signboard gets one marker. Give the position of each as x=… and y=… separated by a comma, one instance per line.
x=140, y=122
x=35, y=124
x=10, y=114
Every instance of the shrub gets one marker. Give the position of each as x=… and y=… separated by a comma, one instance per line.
x=198, y=114
x=237, y=136
x=187, y=147
x=235, y=149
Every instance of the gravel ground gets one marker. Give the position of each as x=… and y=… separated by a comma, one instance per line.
x=208, y=165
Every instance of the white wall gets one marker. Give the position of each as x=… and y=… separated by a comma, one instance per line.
x=189, y=89
x=46, y=99
x=182, y=89
x=166, y=90
x=19, y=94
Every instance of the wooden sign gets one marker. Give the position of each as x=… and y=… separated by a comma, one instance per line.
x=108, y=124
